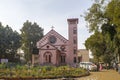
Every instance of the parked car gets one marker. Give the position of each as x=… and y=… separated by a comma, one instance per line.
x=88, y=65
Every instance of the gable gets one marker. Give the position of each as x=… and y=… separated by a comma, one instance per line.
x=46, y=39
x=48, y=46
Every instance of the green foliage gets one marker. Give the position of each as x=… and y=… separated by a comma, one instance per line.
x=113, y=12
x=104, y=21
x=9, y=42
x=95, y=16
x=96, y=44
x=30, y=34
x=41, y=72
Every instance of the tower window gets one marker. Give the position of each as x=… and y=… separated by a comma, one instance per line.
x=75, y=42
x=75, y=51
x=74, y=31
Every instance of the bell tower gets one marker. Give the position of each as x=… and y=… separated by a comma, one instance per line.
x=73, y=41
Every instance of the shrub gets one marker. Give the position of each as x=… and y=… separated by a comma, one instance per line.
x=40, y=72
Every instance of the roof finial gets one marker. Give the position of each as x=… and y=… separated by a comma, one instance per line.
x=52, y=27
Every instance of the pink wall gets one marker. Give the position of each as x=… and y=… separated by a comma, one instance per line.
x=72, y=24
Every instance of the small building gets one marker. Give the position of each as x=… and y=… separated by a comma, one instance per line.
x=83, y=55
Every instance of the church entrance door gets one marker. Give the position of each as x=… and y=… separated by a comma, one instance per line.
x=47, y=57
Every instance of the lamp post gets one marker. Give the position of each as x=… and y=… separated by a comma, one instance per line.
x=31, y=46
x=32, y=55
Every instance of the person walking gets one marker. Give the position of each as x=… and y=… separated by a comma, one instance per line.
x=100, y=67
x=114, y=65
x=107, y=66
x=119, y=68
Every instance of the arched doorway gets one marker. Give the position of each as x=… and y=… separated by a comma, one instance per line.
x=47, y=57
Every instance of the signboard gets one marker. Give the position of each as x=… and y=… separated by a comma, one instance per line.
x=4, y=60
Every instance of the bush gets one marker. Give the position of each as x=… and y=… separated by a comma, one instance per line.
x=40, y=72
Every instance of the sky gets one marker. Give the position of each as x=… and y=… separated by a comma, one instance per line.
x=46, y=13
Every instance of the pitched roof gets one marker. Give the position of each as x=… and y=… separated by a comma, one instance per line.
x=53, y=32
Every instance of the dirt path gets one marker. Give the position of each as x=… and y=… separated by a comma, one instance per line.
x=103, y=75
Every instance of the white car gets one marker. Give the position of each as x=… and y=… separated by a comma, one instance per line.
x=88, y=65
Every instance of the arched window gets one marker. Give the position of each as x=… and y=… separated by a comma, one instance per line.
x=75, y=51
x=49, y=59
x=74, y=30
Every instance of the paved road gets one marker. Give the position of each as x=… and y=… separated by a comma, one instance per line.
x=102, y=75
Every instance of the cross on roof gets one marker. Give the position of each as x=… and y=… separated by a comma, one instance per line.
x=52, y=27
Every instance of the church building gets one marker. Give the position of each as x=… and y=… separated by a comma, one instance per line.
x=56, y=50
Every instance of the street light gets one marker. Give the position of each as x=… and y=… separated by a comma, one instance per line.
x=31, y=46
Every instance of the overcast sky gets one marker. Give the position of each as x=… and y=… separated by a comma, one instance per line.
x=46, y=13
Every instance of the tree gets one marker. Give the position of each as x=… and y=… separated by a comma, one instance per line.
x=112, y=12
x=96, y=44
x=113, y=15
x=105, y=19
x=9, y=42
x=95, y=16
x=30, y=34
